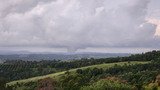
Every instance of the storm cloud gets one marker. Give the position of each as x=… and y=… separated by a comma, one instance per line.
x=79, y=24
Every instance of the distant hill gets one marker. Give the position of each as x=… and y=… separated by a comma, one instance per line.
x=59, y=56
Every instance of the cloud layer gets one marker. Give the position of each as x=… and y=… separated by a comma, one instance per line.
x=76, y=24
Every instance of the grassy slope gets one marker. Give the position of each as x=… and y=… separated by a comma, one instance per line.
x=55, y=75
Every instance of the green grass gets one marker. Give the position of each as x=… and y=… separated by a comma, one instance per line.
x=56, y=75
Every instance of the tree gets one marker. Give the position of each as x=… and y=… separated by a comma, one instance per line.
x=2, y=83
x=79, y=71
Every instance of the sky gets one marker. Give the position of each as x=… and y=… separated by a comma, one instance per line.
x=120, y=26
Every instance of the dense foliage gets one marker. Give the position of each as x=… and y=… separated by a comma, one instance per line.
x=134, y=76
x=137, y=75
x=108, y=85
x=18, y=69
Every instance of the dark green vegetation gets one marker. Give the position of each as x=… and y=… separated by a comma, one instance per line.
x=108, y=85
x=117, y=76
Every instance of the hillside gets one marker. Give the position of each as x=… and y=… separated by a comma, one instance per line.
x=55, y=75
x=135, y=72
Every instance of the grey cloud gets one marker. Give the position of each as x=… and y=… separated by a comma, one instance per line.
x=154, y=9
x=18, y=6
x=76, y=24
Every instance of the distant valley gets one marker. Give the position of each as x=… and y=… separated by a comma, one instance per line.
x=59, y=56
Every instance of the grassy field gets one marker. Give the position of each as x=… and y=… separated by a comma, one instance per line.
x=55, y=75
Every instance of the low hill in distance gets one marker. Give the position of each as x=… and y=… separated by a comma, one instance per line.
x=59, y=56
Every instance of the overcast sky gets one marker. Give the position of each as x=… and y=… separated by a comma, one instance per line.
x=80, y=25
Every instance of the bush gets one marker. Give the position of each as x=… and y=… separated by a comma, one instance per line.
x=107, y=85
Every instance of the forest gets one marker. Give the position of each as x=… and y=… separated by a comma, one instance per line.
x=135, y=72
